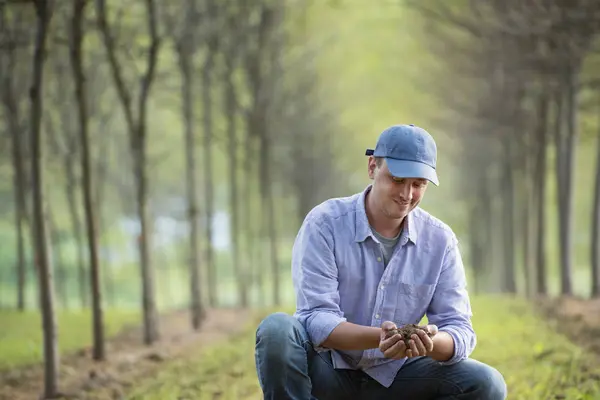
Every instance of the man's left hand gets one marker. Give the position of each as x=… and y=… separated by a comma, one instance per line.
x=421, y=344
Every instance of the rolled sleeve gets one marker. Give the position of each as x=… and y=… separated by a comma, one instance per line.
x=315, y=278
x=450, y=308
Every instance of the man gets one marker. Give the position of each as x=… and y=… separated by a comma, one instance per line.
x=362, y=265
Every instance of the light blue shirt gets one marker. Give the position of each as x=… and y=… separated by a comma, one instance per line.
x=339, y=275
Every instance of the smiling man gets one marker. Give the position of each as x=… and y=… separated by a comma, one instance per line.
x=363, y=265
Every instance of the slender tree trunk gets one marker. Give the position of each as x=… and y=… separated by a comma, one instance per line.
x=476, y=237
x=57, y=259
x=595, y=243
x=187, y=90
x=527, y=189
x=566, y=210
x=148, y=295
x=19, y=173
x=100, y=184
x=77, y=231
x=540, y=197
x=230, y=109
x=269, y=212
x=87, y=181
x=42, y=256
x=508, y=216
x=208, y=176
x=254, y=271
x=18, y=182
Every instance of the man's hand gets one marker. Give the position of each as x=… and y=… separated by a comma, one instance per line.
x=419, y=344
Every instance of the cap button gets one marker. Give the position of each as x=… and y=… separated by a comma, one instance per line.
x=410, y=125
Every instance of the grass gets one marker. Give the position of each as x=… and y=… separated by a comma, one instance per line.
x=21, y=333
x=537, y=362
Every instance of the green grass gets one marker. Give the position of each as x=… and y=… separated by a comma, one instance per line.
x=537, y=362
x=21, y=333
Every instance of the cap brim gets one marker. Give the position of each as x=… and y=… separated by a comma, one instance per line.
x=411, y=169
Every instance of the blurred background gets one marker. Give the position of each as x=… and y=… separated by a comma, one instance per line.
x=160, y=156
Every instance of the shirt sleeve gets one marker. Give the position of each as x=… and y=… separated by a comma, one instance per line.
x=315, y=278
x=450, y=308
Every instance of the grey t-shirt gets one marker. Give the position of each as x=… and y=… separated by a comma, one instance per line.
x=387, y=245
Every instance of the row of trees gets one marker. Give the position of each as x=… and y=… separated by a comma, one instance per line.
x=89, y=76
x=524, y=75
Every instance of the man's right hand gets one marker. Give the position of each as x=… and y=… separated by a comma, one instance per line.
x=393, y=346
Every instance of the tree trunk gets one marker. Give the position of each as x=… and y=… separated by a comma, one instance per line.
x=540, y=196
x=230, y=109
x=19, y=173
x=77, y=230
x=527, y=186
x=187, y=90
x=57, y=259
x=100, y=184
x=252, y=242
x=509, y=281
x=148, y=296
x=269, y=212
x=42, y=257
x=19, y=193
x=566, y=211
x=595, y=243
x=476, y=237
x=208, y=176
x=87, y=181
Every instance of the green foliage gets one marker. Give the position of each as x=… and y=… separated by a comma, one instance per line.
x=21, y=336
x=537, y=363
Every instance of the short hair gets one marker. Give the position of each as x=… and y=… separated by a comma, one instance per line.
x=379, y=161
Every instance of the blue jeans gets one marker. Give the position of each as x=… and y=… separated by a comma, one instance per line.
x=289, y=368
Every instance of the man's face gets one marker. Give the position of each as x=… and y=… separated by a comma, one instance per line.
x=395, y=197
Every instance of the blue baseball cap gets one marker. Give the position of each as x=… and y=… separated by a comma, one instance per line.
x=410, y=152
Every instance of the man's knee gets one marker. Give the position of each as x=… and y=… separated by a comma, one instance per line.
x=280, y=328
x=276, y=325
x=278, y=336
x=489, y=381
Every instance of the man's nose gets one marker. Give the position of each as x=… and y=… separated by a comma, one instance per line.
x=406, y=191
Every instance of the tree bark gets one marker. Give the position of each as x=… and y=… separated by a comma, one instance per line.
x=595, y=242
x=87, y=181
x=187, y=91
x=230, y=109
x=508, y=207
x=566, y=211
x=540, y=196
x=19, y=173
x=207, y=71
x=19, y=194
x=42, y=257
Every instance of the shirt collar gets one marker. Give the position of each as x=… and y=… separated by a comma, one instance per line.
x=362, y=230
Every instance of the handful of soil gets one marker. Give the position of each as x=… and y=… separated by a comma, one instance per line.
x=407, y=331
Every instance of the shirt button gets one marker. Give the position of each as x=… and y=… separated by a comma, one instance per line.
x=382, y=287
x=379, y=259
x=377, y=316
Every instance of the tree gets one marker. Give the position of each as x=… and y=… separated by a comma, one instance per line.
x=77, y=38
x=43, y=263
x=136, y=124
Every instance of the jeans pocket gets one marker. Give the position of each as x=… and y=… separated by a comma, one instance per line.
x=412, y=301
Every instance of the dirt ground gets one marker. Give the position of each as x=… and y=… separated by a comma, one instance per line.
x=578, y=319
x=128, y=358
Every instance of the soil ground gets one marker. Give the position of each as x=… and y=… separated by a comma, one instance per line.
x=128, y=359
x=578, y=319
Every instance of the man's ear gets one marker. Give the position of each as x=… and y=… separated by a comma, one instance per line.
x=372, y=166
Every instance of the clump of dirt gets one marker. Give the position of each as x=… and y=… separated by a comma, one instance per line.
x=406, y=331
